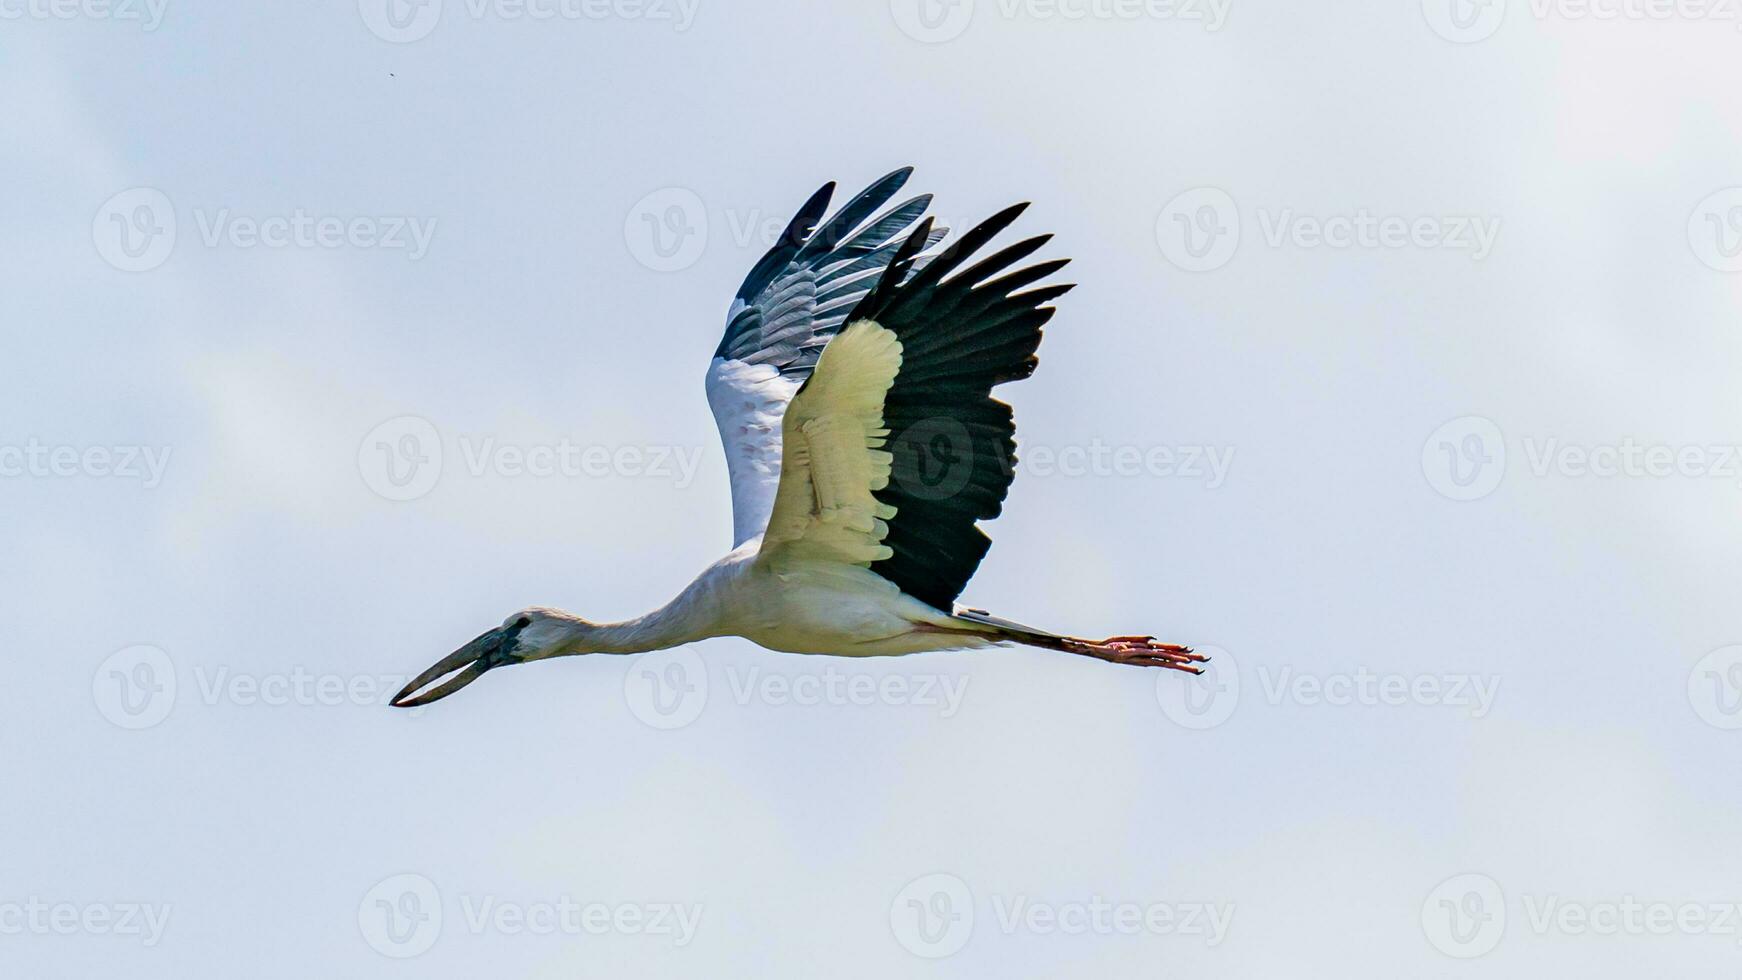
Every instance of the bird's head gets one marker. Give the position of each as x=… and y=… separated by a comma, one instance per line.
x=530, y=634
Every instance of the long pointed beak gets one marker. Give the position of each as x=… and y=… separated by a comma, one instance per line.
x=472, y=660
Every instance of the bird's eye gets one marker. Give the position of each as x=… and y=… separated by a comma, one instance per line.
x=523, y=622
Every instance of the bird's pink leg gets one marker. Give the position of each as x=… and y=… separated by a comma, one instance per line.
x=1138, y=651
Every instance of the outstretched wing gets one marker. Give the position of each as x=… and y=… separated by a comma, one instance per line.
x=833, y=456
x=794, y=300
x=895, y=448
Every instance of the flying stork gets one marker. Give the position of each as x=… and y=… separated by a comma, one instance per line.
x=852, y=390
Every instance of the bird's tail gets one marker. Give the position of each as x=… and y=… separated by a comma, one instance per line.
x=1137, y=651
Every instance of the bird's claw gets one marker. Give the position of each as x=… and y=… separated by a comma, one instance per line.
x=1143, y=651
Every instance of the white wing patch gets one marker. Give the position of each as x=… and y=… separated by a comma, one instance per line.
x=748, y=401
x=833, y=455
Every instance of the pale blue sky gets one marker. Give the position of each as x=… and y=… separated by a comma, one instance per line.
x=1551, y=233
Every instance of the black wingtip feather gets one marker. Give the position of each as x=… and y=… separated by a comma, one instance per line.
x=787, y=246
x=807, y=217
x=851, y=214
x=962, y=334
x=955, y=254
x=893, y=273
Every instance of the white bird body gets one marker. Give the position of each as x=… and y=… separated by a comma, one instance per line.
x=794, y=606
x=809, y=606
x=852, y=391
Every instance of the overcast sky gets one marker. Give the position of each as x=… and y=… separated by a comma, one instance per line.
x=1402, y=377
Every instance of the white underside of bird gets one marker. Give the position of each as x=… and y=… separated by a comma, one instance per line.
x=804, y=583
x=844, y=347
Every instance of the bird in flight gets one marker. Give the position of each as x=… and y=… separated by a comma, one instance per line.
x=853, y=393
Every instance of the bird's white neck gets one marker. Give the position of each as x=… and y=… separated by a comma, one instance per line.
x=698, y=612
x=655, y=631
x=685, y=619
